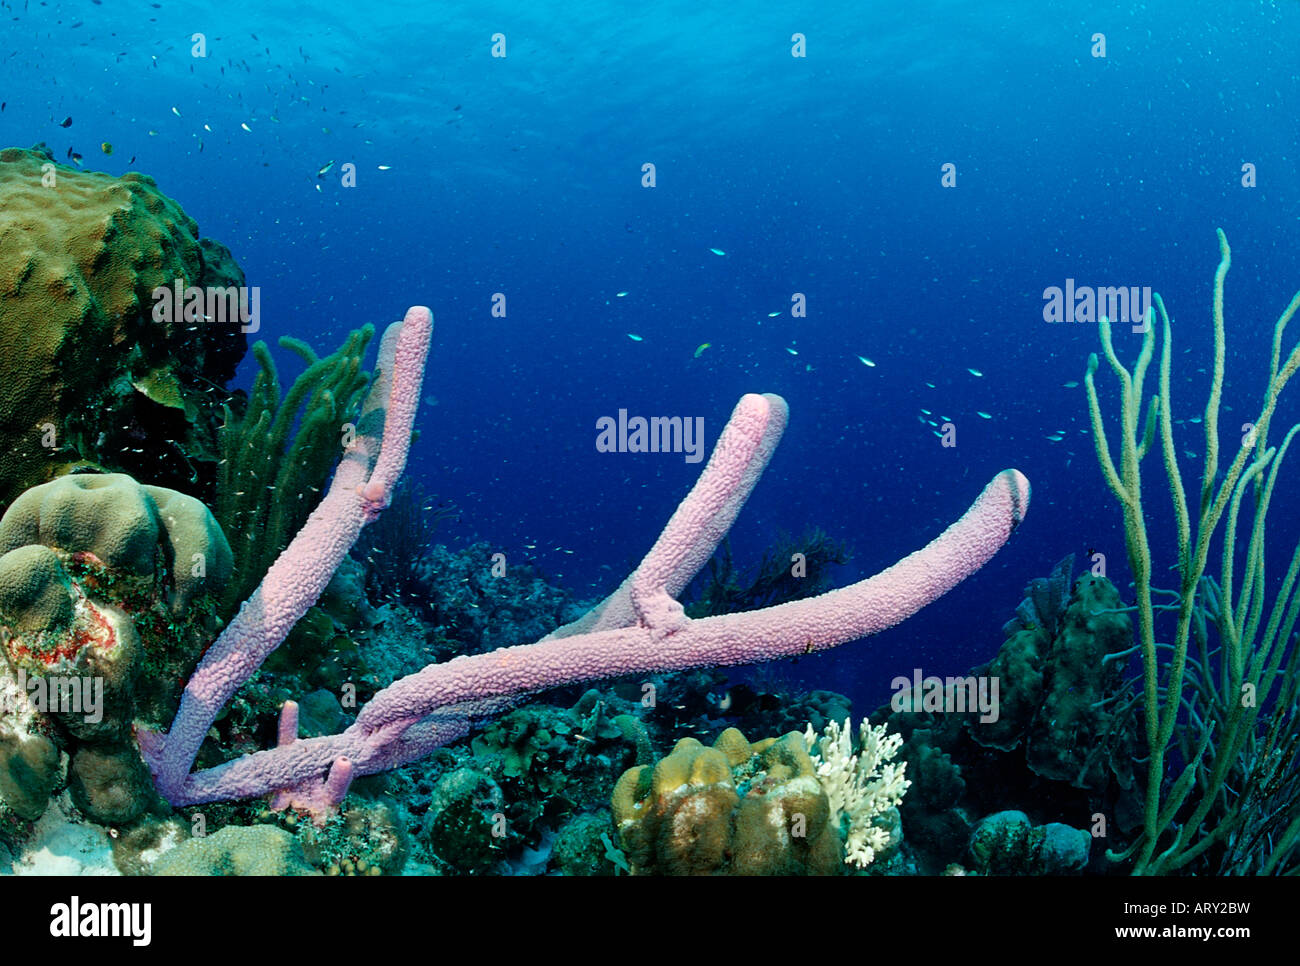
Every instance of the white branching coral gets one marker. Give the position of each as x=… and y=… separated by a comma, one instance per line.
x=860, y=787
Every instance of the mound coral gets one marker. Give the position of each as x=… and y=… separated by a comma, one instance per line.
x=87, y=376
x=768, y=808
x=732, y=809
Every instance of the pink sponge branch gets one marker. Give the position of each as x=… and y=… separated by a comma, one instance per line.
x=439, y=704
x=639, y=629
x=664, y=639
x=406, y=357
x=703, y=518
x=299, y=575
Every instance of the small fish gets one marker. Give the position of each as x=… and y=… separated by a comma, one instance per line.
x=153, y=134
x=976, y=373
x=701, y=347
x=982, y=415
x=1195, y=420
x=176, y=112
x=772, y=315
x=717, y=251
x=634, y=337
x=930, y=384
x=385, y=167
x=105, y=147
x=76, y=159
x=324, y=170
x=246, y=127
x=866, y=362
x=927, y=412
x=619, y=295
x=66, y=122
x=208, y=129
x=1072, y=384
x=793, y=352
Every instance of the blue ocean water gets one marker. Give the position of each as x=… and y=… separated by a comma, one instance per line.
x=820, y=174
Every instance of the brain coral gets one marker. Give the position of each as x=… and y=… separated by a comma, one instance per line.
x=86, y=374
x=88, y=561
x=108, y=588
x=237, y=850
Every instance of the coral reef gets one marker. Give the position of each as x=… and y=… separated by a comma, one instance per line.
x=535, y=770
x=583, y=847
x=1007, y=843
x=365, y=838
x=465, y=826
x=1060, y=689
x=88, y=376
x=475, y=607
x=120, y=599
x=1062, y=743
x=639, y=628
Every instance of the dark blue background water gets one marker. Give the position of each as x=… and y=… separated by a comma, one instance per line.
x=818, y=175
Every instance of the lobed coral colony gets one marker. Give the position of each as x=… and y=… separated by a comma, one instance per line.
x=206, y=673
